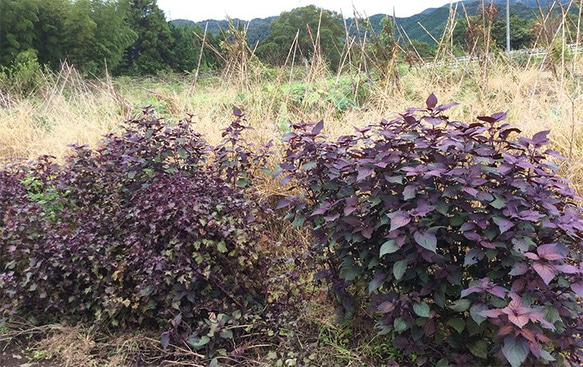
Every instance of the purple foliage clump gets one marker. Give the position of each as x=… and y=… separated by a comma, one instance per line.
x=462, y=239
x=145, y=230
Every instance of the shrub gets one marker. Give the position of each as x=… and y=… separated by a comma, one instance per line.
x=24, y=77
x=464, y=242
x=237, y=160
x=145, y=230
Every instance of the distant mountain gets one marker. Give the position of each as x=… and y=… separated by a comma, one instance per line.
x=433, y=20
x=258, y=29
x=534, y=4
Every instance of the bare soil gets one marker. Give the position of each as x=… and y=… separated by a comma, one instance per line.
x=16, y=355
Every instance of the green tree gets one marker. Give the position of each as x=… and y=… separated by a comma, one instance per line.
x=50, y=31
x=86, y=33
x=79, y=35
x=308, y=21
x=258, y=30
x=96, y=33
x=187, y=47
x=24, y=76
x=521, y=35
x=112, y=33
x=17, y=28
x=415, y=49
x=152, y=50
x=474, y=33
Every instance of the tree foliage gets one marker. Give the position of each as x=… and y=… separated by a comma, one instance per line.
x=50, y=30
x=79, y=35
x=152, y=51
x=85, y=33
x=470, y=33
x=107, y=45
x=521, y=35
x=17, y=28
x=188, y=45
x=474, y=33
x=418, y=49
x=124, y=36
x=319, y=31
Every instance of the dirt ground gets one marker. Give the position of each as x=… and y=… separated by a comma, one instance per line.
x=15, y=355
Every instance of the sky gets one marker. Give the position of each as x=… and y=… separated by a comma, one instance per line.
x=198, y=10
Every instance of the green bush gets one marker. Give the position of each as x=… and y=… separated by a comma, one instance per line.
x=24, y=77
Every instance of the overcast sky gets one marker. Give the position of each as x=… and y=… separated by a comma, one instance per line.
x=197, y=10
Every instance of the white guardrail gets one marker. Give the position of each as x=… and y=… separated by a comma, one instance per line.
x=534, y=52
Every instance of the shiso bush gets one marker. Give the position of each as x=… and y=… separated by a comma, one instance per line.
x=148, y=229
x=460, y=237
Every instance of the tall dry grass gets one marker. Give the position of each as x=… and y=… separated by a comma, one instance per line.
x=66, y=110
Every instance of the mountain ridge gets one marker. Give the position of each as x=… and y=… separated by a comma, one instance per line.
x=433, y=20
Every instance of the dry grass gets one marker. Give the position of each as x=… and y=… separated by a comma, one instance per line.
x=61, y=345
x=69, y=110
x=73, y=110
